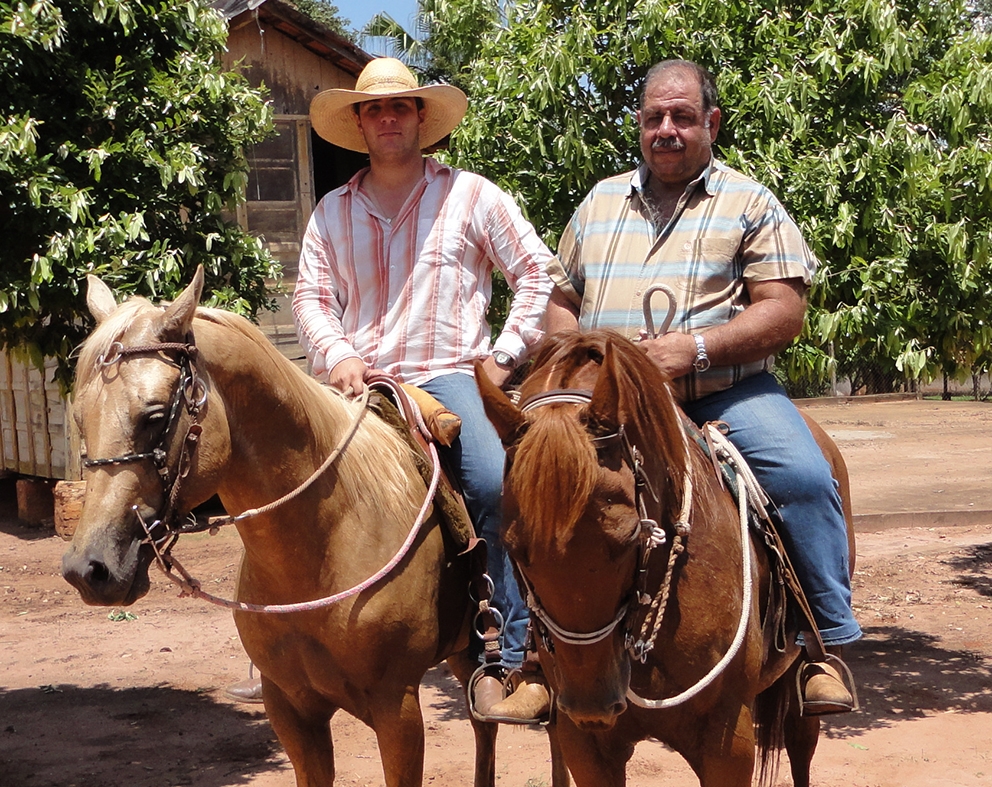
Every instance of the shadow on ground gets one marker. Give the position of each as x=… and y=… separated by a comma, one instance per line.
x=67, y=736
x=904, y=674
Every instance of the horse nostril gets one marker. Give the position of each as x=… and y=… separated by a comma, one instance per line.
x=98, y=573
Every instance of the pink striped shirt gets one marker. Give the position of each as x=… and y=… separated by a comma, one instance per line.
x=410, y=296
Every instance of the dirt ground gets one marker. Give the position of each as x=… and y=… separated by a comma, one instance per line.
x=112, y=698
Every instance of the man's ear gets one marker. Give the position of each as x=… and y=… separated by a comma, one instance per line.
x=714, y=123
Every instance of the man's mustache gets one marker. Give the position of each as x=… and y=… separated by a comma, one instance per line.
x=668, y=143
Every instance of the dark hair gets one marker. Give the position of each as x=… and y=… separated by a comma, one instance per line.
x=707, y=85
x=357, y=104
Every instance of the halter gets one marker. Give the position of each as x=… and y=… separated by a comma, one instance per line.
x=191, y=392
x=651, y=535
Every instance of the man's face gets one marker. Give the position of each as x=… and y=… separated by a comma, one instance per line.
x=391, y=126
x=676, y=134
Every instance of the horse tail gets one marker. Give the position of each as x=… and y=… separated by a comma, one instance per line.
x=771, y=708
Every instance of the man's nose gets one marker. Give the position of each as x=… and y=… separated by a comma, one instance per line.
x=667, y=126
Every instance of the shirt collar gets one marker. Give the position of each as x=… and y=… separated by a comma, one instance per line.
x=639, y=178
x=432, y=169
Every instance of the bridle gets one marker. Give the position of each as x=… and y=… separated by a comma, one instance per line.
x=651, y=535
x=190, y=394
x=191, y=390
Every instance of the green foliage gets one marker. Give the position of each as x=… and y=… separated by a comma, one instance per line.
x=869, y=120
x=326, y=13
x=121, y=142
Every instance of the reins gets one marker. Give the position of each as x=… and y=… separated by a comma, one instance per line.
x=191, y=389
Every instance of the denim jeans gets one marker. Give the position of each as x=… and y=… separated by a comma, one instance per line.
x=768, y=430
x=476, y=459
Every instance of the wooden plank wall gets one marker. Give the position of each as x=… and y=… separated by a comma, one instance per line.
x=35, y=433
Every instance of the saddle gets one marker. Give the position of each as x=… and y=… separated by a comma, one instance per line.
x=419, y=418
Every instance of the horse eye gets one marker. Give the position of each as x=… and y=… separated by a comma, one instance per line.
x=155, y=415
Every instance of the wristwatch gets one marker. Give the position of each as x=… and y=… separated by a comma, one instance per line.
x=702, y=362
x=504, y=359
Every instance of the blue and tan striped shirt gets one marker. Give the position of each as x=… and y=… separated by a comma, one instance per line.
x=726, y=230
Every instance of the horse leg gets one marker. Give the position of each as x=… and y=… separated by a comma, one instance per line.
x=722, y=753
x=399, y=730
x=559, y=772
x=594, y=759
x=307, y=739
x=462, y=666
x=801, y=735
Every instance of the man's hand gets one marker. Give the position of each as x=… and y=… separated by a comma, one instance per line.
x=495, y=372
x=673, y=353
x=348, y=376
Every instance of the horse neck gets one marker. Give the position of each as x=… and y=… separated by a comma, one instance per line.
x=281, y=424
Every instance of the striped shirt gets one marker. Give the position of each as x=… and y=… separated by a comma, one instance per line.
x=410, y=296
x=726, y=230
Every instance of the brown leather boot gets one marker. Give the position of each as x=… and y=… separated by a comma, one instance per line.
x=824, y=690
x=529, y=703
x=486, y=692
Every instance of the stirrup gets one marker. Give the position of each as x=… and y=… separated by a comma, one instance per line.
x=505, y=676
x=847, y=679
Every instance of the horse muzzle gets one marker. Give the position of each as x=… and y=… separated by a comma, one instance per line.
x=591, y=716
x=108, y=577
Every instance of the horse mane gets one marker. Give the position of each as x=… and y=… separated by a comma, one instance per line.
x=555, y=469
x=374, y=468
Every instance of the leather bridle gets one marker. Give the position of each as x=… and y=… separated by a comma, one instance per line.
x=190, y=395
x=650, y=536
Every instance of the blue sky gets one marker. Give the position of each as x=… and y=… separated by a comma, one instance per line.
x=358, y=12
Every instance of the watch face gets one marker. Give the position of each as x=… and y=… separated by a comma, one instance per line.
x=503, y=359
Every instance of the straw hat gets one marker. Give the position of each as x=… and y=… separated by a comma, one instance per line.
x=333, y=118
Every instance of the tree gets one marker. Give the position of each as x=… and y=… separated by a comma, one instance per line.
x=326, y=13
x=122, y=142
x=868, y=119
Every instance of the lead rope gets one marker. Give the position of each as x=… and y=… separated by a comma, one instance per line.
x=735, y=646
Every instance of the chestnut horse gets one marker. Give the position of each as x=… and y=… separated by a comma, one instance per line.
x=263, y=427
x=598, y=467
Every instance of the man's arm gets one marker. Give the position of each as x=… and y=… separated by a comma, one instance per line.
x=773, y=319
x=562, y=314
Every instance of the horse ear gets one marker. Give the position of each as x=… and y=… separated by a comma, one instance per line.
x=99, y=298
x=604, y=409
x=503, y=413
x=179, y=316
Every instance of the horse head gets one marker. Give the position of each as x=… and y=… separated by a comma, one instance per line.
x=137, y=396
x=573, y=507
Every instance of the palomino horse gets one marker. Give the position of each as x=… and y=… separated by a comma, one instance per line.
x=599, y=473
x=147, y=375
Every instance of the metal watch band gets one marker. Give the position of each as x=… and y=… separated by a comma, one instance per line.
x=702, y=362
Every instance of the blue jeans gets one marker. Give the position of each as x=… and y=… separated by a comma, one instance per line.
x=476, y=459
x=768, y=430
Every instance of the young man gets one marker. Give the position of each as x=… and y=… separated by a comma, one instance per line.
x=395, y=276
x=740, y=269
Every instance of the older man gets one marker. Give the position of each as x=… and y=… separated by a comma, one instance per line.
x=395, y=276
x=740, y=269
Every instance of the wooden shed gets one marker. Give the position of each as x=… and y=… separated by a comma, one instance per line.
x=295, y=58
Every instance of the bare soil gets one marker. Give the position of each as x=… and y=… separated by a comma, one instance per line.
x=112, y=698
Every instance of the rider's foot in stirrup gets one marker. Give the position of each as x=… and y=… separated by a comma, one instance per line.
x=824, y=690
x=486, y=692
x=528, y=703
